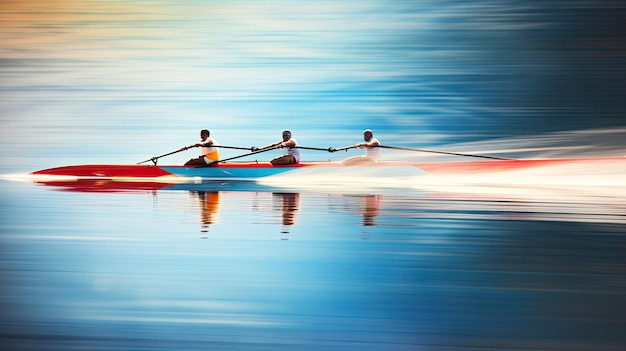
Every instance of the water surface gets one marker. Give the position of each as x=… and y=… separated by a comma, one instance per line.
x=241, y=266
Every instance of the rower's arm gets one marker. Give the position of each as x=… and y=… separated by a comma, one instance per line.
x=271, y=145
x=289, y=143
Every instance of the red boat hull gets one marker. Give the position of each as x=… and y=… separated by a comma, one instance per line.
x=106, y=171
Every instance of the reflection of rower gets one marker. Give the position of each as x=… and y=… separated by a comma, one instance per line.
x=289, y=205
x=371, y=210
x=209, y=208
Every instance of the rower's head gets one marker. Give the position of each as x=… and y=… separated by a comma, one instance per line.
x=204, y=133
x=367, y=134
x=286, y=134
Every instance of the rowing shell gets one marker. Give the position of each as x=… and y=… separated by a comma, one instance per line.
x=256, y=170
x=232, y=171
x=229, y=171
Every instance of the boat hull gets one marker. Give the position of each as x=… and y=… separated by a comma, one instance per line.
x=225, y=171
x=105, y=171
x=256, y=170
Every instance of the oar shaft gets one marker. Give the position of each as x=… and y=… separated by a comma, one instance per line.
x=330, y=149
x=253, y=149
x=153, y=159
x=343, y=148
x=272, y=147
x=442, y=152
x=244, y=155
x=233, y=147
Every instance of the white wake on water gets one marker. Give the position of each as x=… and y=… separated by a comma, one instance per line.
x=592, y=193
x=605, y=178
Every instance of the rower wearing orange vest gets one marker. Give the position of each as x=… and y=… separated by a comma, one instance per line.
x=210, y=154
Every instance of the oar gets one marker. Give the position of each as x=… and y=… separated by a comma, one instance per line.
x=258, y=151
x=343, y=148
x=234, y=147
x=268, y=148
x=330, y=149
x=442, y=152
x=155, y=158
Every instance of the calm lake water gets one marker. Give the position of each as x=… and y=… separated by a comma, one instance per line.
x=241, y=266
x=522, y=261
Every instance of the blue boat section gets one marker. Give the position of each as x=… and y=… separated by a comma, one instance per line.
x=330, y=170
x=227, y=173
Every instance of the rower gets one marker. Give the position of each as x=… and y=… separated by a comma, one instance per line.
x=373, y=153
x=209, y=154
x=371, y=145
x=293, y=153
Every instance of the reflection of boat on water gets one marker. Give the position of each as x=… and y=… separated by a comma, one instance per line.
x=111, y=185
x=281, y=206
